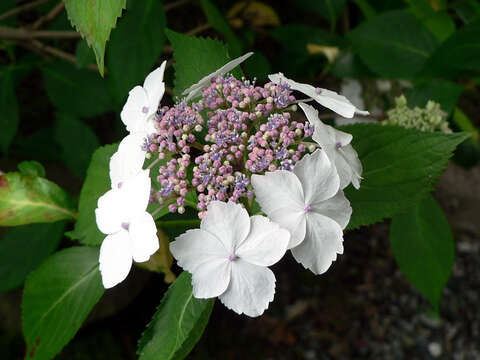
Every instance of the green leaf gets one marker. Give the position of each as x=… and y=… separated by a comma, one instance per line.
x=31, y=168
x=400, y=35
x=79, y=92
x=96, y=184
x=438, y=22
x=6, y=5
x=95, y=20
x=28, y=199
x=465, y=124
x=467, y=10
x=399, y=167
x=348, y=65
x=177, y=324
x=57, y=299
x=9, y=118
x=459, y=55
x=85, y=55
x=137, y=41
x=423, y=246
x=446, y=93
x=23, y=248
x=219, y=23
x=257, y=66
x=367, y=10
x=330, y=10
x=195, y=58
x=72, y=134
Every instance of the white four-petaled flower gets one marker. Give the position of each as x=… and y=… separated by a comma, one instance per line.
x=194, y=90
x=337, y=145
x=328, y=98
x=131, y=231
x=142, y=103
x=309, y=203
x=228, y=257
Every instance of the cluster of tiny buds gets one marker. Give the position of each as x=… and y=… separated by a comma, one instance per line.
x=245, y=129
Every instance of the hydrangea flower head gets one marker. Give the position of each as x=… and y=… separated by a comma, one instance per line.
x=229, y=257
x=309, y=203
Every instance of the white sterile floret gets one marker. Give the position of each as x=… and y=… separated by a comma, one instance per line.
x=228, y=257
x=309, y=203
x=330, y=99
x=122, y=215
x=195, y=90
x=337, y=145
x=142, y=103
x=128, y=160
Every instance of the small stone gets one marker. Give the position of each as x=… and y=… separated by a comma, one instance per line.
x=435, y=349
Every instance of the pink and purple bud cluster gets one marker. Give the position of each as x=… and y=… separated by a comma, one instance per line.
x=235, y=130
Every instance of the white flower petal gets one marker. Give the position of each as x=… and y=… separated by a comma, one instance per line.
x=133, y=114
x=136, y=194
x=128, y=160
x=265, y=244
x=318, y=176
x=143, y=237
x=355, y=168
x=115, y=258
x=229, y=222
x=323, y=241
x=293, y=221
x=278, y=189
x=205, y=257
x=195, y=89
x=330, y=99
x=155, y=88
x=109, y=214
x=337, y=208
x=196, y=247
x=251, y=289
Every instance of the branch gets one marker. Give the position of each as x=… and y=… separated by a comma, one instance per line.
x=174, y=5
x=52, y=14
x=21, y=8
x=8, y=33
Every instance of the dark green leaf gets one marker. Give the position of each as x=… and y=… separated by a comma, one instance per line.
x=399, y=168
x=25, y=199
x=96, y=184
x=177, y=324
x=137, y=41
x=57, y=299
x=467, y=10
x=423, y=246
x=438, y=22
x=459, y=55
x=196, y=58
x=79, y=92
x=393, y=44
x=72, y=134
x=444, y=92
x=463, y=122
x=219, y=23
x=95, y=20
x=9, y=114
x=31, y=168
x=367, y=10
x=257, y=66
x=39, y=144
x=85, y=55
x=349, y=65
x=328, y=9
x=23, y=248
x=6, y=5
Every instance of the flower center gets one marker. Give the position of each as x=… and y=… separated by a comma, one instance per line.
x=119, y=184
x=125, y=225
x=232, y=257
x=145, y=109
x=307, y=208
x=338, y=144
x=318, y=90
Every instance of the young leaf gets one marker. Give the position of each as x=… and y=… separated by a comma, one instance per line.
x=26, y=199
x=177, y=324
x=195, y=58
x=137, y=41
x=219, y=23
x=72, y=134
x=423, y=246
x=95, y=19
x=399, y=167
x=96, y=184
x=400, y=35
x=57, y=299
x=23, y=248
x=8, y=103
x=79, y=92
x=446, y=93
x=459, y=55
